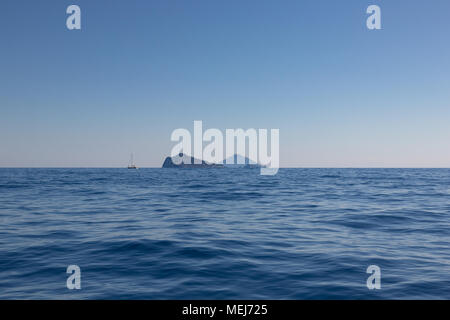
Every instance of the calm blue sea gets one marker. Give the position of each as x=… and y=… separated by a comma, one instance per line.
x=224, y=233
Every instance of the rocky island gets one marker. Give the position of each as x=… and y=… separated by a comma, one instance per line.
x=189, y=162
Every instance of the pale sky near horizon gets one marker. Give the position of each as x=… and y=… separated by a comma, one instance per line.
x=341, y=95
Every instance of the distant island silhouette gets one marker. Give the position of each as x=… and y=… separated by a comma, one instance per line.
x=189, y=162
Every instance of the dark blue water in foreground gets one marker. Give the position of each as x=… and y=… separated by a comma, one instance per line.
x=224, y=233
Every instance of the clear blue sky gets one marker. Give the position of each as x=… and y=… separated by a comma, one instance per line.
x=340, y=94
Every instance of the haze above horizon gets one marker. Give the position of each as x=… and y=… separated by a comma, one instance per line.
x=340, y=94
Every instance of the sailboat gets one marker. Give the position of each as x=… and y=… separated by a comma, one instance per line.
x=131, y=165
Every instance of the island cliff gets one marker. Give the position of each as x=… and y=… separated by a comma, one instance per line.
x=188, y=162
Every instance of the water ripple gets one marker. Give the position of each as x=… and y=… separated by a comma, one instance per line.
x=224, y=233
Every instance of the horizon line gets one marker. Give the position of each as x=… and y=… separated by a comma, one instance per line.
x=160, y=167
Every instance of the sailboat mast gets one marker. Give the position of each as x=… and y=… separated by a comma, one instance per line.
x=131, y=165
